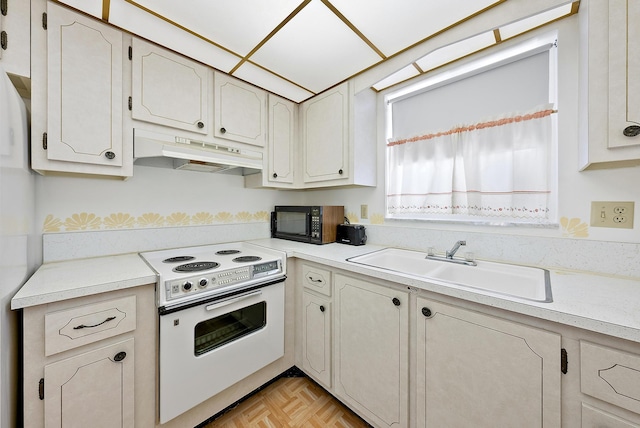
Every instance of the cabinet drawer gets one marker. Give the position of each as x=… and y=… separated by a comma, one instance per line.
x=596, y=418
x=610, y=375
x=317, y=279
x=70, y=328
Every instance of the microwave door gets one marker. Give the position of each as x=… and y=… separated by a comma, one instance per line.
x=292, y=225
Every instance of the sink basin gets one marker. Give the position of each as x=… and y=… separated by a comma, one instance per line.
x=512, y=280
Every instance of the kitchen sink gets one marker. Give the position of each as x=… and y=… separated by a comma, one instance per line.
x=523, y=282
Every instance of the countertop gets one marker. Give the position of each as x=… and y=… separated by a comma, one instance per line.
x=57, y=281
x=599, y=303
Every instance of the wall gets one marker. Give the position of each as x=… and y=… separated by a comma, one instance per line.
x=572, y=243
x=157, y=199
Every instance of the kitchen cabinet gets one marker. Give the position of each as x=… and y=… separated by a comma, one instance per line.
x=14, y=37
x=316, y=342
x=371, y=350
x=91, y=389
x=240, y=111
x=92, y=360
x=169, y=89
x=280, y=156
x=338, y=137
x=77, y=115
x=478, y=370
x=609, y=84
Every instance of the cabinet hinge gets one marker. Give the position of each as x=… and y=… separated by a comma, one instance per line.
x=41, y=389
x=44, y=20
x=564, y=362
x=44, y=141
x=130, y=53
x=130, y=103
x=3, y=7
x=3, y=40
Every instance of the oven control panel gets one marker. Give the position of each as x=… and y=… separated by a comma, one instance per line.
x=206, y=282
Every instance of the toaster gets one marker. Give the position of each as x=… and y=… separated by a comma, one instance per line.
x=351, y=234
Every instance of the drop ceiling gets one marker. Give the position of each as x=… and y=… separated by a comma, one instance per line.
x=293, y=48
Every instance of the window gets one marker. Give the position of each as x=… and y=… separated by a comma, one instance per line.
x=477, y=143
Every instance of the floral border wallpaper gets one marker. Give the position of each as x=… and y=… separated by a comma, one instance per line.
x=570, y=227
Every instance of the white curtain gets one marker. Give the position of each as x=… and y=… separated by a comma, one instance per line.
x=498, y=168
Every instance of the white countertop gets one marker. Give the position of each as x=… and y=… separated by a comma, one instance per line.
x=57, y=281
x=598, y=303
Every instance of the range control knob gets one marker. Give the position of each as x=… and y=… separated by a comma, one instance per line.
x=187, y=286
x=203, y=282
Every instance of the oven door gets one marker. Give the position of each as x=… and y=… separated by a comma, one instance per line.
x=205, y=349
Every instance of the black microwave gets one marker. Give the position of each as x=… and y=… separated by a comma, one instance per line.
x=316, y=224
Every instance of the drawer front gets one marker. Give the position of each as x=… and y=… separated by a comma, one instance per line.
x=596, y=418
x=89, y=323
x=610, y=375
x=317, y=279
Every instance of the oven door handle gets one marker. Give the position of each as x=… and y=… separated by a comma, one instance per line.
x=232, y=300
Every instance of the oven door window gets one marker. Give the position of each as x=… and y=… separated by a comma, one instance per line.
x=219, y=331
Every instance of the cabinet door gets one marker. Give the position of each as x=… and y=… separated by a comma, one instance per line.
x=14, y=25
x=94, y=389
x=84, y=89
x=371, y=350
x=169, y=89
x=316, y=338
x=624, y=71
x=240, y=111
x=477, y=370
x=281, y=141
x=325, y=136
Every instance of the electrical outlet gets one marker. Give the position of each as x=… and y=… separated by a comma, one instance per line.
x=364, y=211
x=612, y=214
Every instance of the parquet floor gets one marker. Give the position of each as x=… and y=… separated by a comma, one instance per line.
x=290, y=402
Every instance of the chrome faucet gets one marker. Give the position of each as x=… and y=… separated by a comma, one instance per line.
x=448, y=257
x=455, y=248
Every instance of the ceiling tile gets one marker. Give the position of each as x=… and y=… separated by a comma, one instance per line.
x=316, y=50
x=394, y=25
x=237, y=25
x=145, y=25
x=271, y=82
x=526, y=24
x=399, y=76
x=456, y=51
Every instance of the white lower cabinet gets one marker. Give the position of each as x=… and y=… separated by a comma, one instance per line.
x=371, y=350
x=91, y=361
x=93, y=389
x=316, y=334
x=482, y=371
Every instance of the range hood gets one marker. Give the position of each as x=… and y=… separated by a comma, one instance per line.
x=170, y=151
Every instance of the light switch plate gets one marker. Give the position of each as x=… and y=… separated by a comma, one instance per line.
x=364, y=211
x=612, y=214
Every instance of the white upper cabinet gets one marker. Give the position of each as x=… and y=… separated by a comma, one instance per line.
x=281, y=142
x=338, y=136
x=325, y=136
x=169, y=89
x=240, y=111
x=610, y=84
x=77, y=95
x=14, y=37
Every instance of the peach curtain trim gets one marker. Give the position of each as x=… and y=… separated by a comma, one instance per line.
x=490, y=124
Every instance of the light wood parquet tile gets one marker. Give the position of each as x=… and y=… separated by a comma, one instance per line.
x=290, y=402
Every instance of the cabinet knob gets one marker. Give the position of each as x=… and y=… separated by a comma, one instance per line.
x=631, y=131
x=275, y=175
x=120, y=356
x=321, y=308
x=200, y=125
x=109, y=155
x=396, y=301
x=223, y=130
x=426, y=312
x=340, y=171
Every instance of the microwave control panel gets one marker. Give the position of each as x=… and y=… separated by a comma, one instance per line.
x=316, y=225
